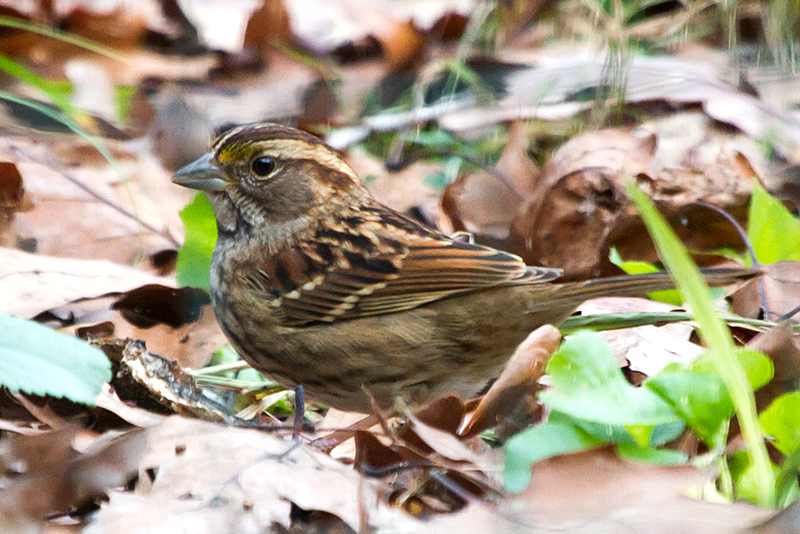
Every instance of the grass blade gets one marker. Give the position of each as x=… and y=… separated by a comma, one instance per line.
x=716, y=337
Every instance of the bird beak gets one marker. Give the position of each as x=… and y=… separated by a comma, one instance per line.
x=201, y=174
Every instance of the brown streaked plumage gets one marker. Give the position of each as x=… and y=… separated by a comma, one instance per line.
x=316, y=283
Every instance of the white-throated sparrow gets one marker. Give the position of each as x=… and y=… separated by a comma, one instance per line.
x=316, y=283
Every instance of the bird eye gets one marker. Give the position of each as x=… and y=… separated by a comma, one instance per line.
x=263, y=166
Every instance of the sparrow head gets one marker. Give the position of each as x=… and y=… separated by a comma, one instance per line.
x=268, y=174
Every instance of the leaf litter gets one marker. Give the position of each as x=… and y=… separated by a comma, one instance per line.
x=431, y=468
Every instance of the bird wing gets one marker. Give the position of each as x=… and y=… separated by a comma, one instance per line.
x=400, y=275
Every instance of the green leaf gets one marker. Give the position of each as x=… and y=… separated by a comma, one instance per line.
x=652, y=456
x=539, y=443
x=54, y=91
x=670, y=296
x=40, y=361
x=194, y=257
x=588, y=384
x=621, y=435
x=772, y=229
x=747, y=479
x=787, y=487
x=757, y=367
x=781, y=420
x=700, y=399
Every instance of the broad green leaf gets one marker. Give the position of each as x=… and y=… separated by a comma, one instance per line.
x=194, y=257
x=631, y=435
x=758, y=369
x=699, y=396
x=40, y=361
x=700, y=399
x=588, y=384
x=652, y=456
x=772, y=229
x=781, y=420
x=670, y=296
x=539, y=443
x=787, y=487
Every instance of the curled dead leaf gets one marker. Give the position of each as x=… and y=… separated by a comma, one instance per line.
x=519, y=379
x=580, y=210
x=486, y=203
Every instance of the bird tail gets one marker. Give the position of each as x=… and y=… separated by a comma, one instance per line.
x=638, y=285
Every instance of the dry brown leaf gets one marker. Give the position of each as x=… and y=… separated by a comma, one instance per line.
x=12, y=191
x=12, y=200
x=89, y=211
x=786, y=521
x=779, y=343
x=268, y=26
x=519, y=379
x=324, y=26
x=547, y=91
x=176, y=324
x=274, y=94
x=120, y=26
x=578, y=200
x=51, y=479
x=644, y=349
x=241, y=481
x=515, y=163
x=580, y=209
x=155, y=383
x=781, y=282
x=446, y=444
x=486, y=203
x=31, y=284
x=221, y=24
x=108, y=400
x=594, y=492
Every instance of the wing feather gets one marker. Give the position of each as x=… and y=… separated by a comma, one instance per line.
x=417, y=271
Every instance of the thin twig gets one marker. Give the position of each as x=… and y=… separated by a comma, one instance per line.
x=762, y=292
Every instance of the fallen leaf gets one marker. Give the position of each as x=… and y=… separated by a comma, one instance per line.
x=89, y=211
x=486, y=203
x=243, y=480
x=594, y=492
x=580, y=210
x=157, y=384
x=31, y=283
x=781, y=293
x=519, y=379
x=780, y=345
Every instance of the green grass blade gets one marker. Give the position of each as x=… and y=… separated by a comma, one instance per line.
x=67, y=121
x=13, y=22
x=716, y=336
x=25, y=75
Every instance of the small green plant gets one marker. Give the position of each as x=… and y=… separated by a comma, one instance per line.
x=194, y=257
x=36, y=359
x=772, y=229
x=593, y=404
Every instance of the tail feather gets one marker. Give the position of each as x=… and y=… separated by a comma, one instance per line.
x=633, y=285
